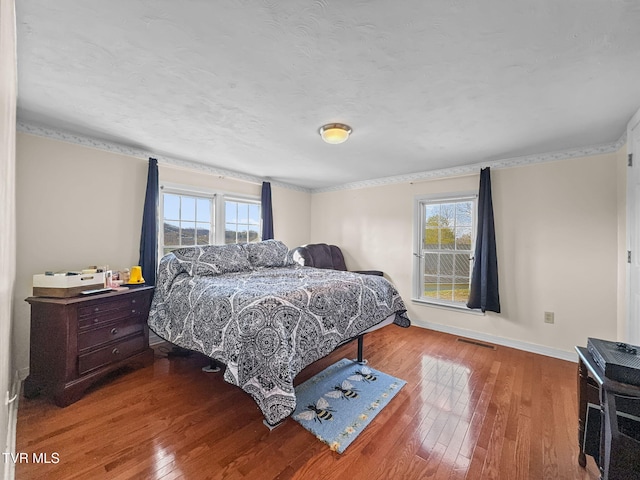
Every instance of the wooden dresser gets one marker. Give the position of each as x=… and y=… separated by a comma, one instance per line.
x=77, y=341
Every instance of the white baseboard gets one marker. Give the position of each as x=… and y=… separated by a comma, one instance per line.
x=506, y=342
x=16, y=386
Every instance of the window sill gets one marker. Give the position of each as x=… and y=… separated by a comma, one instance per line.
x=448, y=306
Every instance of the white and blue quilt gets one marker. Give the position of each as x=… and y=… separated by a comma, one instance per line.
x=252, y=308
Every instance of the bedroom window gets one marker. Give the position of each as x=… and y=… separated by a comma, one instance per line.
x=187, y=221
x=241, y=221
x=193, y=217
x=443, y=250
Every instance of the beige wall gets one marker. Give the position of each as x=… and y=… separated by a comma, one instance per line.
x=78, y=206
x=557, y=226
x=560, y=229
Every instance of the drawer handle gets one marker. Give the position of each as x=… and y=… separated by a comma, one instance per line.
x=97, y=309
x=133, y=310
x=133, y=301
x=115, y=351
x=114, y=331
x=96, y=320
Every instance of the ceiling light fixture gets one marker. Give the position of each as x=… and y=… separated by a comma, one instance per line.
x=335, y=133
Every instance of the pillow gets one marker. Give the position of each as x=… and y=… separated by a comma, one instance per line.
x=268, y=253
x=213, y=259
x=186, y=258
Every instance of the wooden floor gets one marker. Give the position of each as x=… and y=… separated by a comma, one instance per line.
x=467, y=411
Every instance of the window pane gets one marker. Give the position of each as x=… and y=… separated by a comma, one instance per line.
x=254, y=214
x=171, y=207
x=171, y=233
x=461, y=289
x=430, y=263
x=243, y=213
x=446, y=288
x=431, y=211
x=202, y=236
x=431, y=286
x=230, y=233
x=231, y=211
x=203, y=210
x=446, y=264
x=463, y=214
x=462, y=265
x=447, y=214
x=435, y=221
x=463, y=238
x=447, y=238
x=188, y=208
x=187, y=233
x=431, y=238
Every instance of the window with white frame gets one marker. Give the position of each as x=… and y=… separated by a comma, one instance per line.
x=241, y=221
x=196, y=218
x=444, y=242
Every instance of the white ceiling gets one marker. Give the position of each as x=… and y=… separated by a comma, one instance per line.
x=244, y=85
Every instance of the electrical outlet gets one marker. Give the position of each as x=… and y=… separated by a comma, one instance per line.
x=548, y=317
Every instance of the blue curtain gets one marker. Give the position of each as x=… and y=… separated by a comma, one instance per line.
x=149, y=236
x=483, y=293
x=267, y=212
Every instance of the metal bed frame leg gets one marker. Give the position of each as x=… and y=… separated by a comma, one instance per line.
x=272, y=427
x=360, y=360
x=213, y=367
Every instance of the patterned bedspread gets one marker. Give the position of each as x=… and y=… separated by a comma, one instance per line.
x=264, y=319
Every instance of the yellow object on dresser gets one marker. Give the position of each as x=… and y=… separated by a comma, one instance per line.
x=136, y=275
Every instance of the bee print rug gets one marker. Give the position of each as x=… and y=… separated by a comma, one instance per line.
x=340, y=401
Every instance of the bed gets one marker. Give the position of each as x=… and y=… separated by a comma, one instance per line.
x=253, y=309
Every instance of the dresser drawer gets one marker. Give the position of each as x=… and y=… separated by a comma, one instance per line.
x=111, y=353
x=105, y=306
x=98, y=336
x=94, y=315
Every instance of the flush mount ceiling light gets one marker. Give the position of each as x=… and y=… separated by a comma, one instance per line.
x=335, y=133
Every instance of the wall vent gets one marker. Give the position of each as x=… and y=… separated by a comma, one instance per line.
x=479, y=344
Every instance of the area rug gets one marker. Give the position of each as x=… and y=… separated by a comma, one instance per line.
x=338, y=403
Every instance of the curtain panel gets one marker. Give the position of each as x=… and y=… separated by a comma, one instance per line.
x=267, y=212
x=483, y=293
x=149, y=236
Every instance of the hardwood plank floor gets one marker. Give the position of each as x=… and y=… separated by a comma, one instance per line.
x=467, y=412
